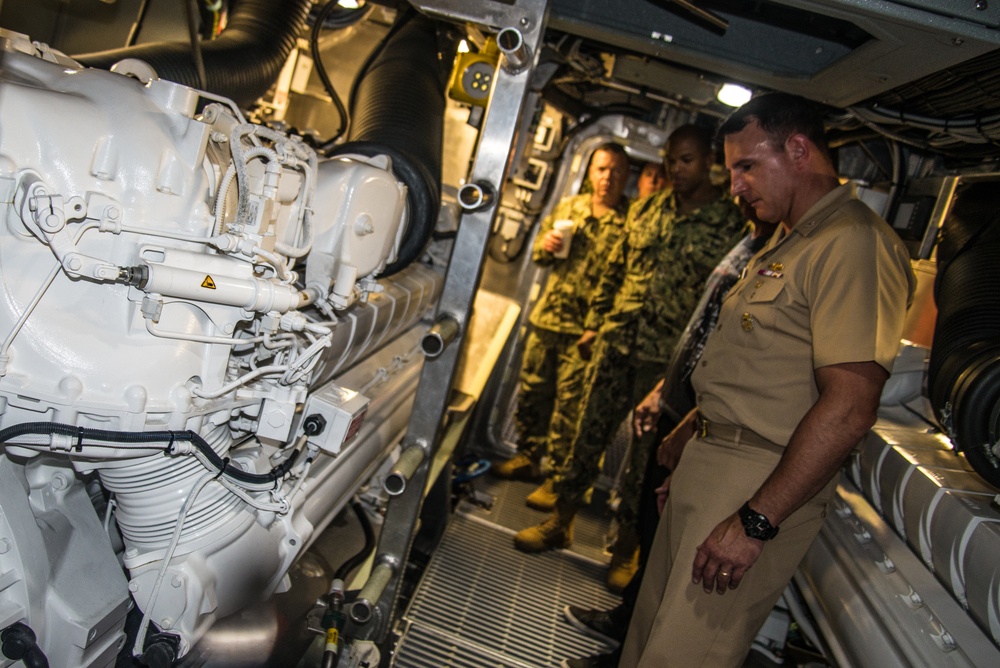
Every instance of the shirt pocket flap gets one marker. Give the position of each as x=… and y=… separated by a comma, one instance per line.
x=764, y=291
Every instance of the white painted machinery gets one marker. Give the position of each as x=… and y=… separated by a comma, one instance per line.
x=178, y=286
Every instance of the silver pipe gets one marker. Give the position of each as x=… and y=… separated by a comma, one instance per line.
x=364, y=607
x=516, y=54
x=439, y=336
x=476, y=196
x=406, y=466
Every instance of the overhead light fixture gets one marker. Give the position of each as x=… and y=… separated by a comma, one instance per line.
x=349, y=4
x=733, y=95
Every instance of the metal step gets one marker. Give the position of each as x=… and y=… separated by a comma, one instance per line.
x=482, y=603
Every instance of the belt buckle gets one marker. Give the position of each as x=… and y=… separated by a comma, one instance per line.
x=702, y=425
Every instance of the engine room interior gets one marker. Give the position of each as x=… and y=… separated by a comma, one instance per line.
x=268, y=274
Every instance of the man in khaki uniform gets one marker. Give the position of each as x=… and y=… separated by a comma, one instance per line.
x=788, y=384
x=552, y=369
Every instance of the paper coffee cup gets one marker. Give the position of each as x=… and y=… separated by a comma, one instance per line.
x=565, y=228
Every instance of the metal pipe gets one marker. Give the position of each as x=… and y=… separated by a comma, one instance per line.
x=404, y=469
x=516, y=54
x=363, y=608
x=714, y=19
x=439, y=336
x=476, y=196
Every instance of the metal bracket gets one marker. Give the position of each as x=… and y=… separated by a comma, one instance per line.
x=491, y=165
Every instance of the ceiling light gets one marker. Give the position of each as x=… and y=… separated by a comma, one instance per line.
x=733, y=95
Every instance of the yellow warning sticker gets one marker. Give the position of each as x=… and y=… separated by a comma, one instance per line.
x=208, y=283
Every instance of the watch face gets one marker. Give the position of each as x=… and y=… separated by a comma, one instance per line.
x=756, y=525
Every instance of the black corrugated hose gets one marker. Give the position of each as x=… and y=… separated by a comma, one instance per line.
x=964, y=373
x=241, y=64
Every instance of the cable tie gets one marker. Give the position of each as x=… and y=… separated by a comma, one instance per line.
x=79, y=439
x=222, y=469
x=170, y=445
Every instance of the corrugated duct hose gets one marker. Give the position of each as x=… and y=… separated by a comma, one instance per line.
x=241, y=64
x=397, y=109
x=964, y=375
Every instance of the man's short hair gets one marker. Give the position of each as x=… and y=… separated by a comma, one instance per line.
x=702, y=137
x=780, y=115
x=613, y=148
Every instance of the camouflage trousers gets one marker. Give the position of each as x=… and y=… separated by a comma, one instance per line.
x=616, y=383
x=551, y=388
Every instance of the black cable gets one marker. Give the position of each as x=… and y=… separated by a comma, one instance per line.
x=357, y=559
x=140, y=16
x=193, y=16
x=218, y=463
x=401, y=20
x=317, y=57
x=343, y=17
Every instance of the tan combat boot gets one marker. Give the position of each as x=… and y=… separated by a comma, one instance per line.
x=518, y=467
x=624, y=560
x=543, y=498
x=555, y=532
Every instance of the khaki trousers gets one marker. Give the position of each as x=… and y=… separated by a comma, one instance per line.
x=676, y=624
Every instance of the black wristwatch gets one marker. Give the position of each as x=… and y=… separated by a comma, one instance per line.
x=756, y=525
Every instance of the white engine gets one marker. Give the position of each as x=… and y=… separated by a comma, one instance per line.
x=156, y=255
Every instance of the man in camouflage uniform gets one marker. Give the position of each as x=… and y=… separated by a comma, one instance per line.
x=673, y=240
x=551, y=383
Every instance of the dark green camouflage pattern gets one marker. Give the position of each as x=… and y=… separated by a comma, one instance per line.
x=551, y=382
x=565, y=301
x=655, y=274
x=551, y=389
x=653, y=282
x=616, y=383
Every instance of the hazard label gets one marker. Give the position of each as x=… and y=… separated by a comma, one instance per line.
x=208, y=283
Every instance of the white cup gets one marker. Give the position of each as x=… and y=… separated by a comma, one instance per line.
x=565, y=228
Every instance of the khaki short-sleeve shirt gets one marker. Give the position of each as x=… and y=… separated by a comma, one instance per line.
x=833, y=290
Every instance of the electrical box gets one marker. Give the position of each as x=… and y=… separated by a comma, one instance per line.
x=335, y=414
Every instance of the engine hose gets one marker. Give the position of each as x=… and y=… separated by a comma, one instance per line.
x=397, y=109
x=964, y=369
x=241, y=64
x=357, y=559
x=221, y=465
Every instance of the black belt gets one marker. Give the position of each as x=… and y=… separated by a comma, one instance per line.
x=732, y=434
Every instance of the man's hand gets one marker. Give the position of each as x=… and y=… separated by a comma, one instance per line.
x=647, y=413
x=672, y=446
x=585, y=344
x=552, y=242
x=662, y=492
x=725, y=556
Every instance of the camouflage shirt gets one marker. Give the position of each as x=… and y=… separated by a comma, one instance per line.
x=655, y=273
x=566, y=299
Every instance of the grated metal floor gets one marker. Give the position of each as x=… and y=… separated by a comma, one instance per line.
x=589, y=530
x=483, y=604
